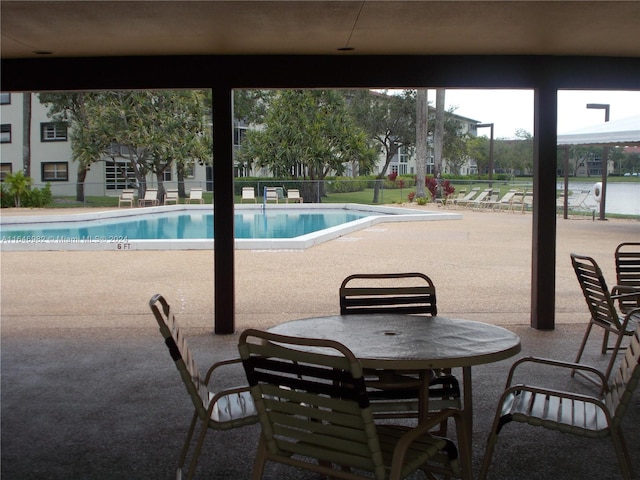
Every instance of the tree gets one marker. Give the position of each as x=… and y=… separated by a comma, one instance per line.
x=26, y=134
x=69, y=108
x=438, y=138
x=307, y=134
x=422, y=135
x=389, y=121
x=18, y=184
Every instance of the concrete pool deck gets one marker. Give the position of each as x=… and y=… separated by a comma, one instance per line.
x=88, y=389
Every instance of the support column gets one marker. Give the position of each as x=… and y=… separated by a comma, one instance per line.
x=543, y=268
x=223, y=228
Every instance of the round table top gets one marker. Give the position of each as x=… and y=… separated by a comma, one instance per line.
x=396, y=341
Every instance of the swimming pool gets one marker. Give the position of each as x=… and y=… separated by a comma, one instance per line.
x=191, y=227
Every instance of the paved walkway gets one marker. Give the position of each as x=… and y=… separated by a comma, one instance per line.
x=89, y=392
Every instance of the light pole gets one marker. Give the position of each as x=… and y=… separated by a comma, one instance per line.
x=482, y=125
x=605, y=158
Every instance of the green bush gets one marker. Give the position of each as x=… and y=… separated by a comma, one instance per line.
x=37, y=197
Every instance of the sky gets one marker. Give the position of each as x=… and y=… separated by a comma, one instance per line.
x=511, y=110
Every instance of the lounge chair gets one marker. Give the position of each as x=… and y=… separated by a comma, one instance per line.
x=150, y=198
x=171, y=196
x=527, y=202
x=570, y=412
x=248, y=193
x=293, y=194
x=467, y=198
x=576, y=203
x=517, y=201
x=315, y=415
x=195, y=195
x=224, y=410
x=271, y=195
x=126, y=197
x=505, y=201
x=477, y=201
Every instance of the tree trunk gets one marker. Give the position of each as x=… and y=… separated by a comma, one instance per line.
x=438, y=140
x=26, y=134
x=80, y=178
x=422, y=109
x=380, y=177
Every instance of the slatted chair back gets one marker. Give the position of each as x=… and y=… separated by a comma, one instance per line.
x=625, y=381
x=314, y=410
x=222, y=410
x=181, y=354
x=627, y=258
x=594, y=287
x=407, y=293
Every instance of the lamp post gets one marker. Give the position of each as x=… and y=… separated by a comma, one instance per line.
x=605, y=158
x=482, y=125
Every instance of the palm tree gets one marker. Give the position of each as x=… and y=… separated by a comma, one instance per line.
x=18, y=184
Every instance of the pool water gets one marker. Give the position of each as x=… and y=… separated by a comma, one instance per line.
x=186, y=225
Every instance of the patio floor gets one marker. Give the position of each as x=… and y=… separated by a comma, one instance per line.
x=89, y=392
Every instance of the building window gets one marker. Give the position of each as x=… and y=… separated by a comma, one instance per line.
x=53, y=132
x=119, y=174
x=55, y=171
x=5, y=98
x=5, y=133
x=166, y=175
x=5, y=169
x=190, y=169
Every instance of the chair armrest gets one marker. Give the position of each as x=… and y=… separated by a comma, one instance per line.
x=554, y=393
x=219, y=364
x=556, y=363
x=625, y=291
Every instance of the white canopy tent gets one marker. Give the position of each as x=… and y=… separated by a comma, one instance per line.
x=621, y=132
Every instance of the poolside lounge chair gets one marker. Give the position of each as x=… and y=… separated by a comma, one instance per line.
x=195, y=195
x=477, y=201
x=271, y=195
x=248, y=193
x=171, y=196
x=517, y=201
x=462, y=201
x=293, y=194
x=505, y=201
x=150, y=198
x=224, y=410
x=571, y=412
x=126, y=197
x=315, y=415
x=576, y=203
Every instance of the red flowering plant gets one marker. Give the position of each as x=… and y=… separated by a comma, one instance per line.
x=447, y=189
x=432, y=185
x=392, y=176
x=411, y=196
